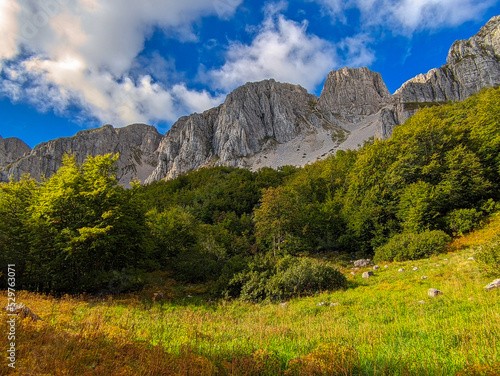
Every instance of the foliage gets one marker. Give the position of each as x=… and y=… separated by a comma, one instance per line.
x=81, y=227
x=462, y=221
x=268, y=279
x=413, y=246
x=489, y=258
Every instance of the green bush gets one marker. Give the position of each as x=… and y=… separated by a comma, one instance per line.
x=410, y=246
x=489, y=258
x=267, y=279
x=303, y=276
x=461, y=221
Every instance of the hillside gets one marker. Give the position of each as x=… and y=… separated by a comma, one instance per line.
x=386, y=325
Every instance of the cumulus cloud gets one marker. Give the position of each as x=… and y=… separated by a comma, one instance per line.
x=282, y=49
x=408, y=16
x=8, y=28
x=60, y=53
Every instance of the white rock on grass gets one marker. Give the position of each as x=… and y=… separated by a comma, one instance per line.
x=362, y=263
x=434, y=292
x=493, y=285
x=367, y=275
x=376, y=267
x=401, y=270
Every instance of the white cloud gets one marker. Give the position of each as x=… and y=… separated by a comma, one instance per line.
x=356, y=50
x=408, y=16
x=283, y=50
x=8, y=28
x=83, y=52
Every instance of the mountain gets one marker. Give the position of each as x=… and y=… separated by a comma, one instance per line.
x=11, y=149
x=269, y=123
x=136, y=143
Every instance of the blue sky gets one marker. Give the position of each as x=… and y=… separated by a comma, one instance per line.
x=68, y=65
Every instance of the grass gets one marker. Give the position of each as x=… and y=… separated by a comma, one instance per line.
x=385, y=325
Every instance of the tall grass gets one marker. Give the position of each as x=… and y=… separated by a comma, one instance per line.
x=386, y=325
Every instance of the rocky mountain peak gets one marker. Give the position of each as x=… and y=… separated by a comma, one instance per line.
x=11, y=149
x=472, y=65
x=350, y=93
x=269, y=123
x=136, y=143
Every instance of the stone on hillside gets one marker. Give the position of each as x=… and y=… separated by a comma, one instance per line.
x=362, y=263
x=492, y=285
x=401, y=270
x=21, y=311
x=415, y=268
x=386, y=266
x=424, y=277
x=367, y=275
x=471, y=259
x=376, y=267
x=334, y=304
x=434, y=292
x=321, y=304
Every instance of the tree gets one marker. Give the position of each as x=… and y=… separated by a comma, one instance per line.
x=86, y=226
x=276, y=217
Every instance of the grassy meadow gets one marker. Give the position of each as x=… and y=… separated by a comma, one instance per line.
x=384, y=325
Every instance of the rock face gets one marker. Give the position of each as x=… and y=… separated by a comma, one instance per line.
x=471, y=65
x=11, y=149
x=136, y=144
x=350, y=94
x=255, y=117
x=273, y=124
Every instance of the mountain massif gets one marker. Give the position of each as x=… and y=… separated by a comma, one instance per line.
x=271, y=124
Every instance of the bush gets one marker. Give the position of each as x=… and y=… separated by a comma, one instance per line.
x=489, y=258
x=267, y=279
x=461, y=221
x=410, y=246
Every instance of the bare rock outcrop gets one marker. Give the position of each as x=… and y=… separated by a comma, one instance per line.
x=254, y=117
x=136, y=143
x=11, y=149
x=272, y=124
x=350, y=94
x=471, y=65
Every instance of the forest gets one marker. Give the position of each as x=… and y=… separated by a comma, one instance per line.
x=244, y=233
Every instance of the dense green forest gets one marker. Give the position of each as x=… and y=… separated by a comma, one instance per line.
x=245, y=232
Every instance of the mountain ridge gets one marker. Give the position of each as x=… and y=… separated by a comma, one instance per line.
x=269, y=123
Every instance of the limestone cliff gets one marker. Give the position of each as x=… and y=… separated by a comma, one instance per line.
x=269, y=123
x=350, y=94
x=255, y=117
x=471, y=65
x=11, y=149
x=136, y=144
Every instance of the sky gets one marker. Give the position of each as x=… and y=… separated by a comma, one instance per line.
x=69, y=65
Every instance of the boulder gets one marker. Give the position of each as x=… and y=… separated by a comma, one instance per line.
x=362, y=263
x=367, y=275
x=493, y=285
x=434, y=292
x=21, y=311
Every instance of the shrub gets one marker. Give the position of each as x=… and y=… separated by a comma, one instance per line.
x=410, y=246
x=489, y=258
x=461, y=221
x=267, y=279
